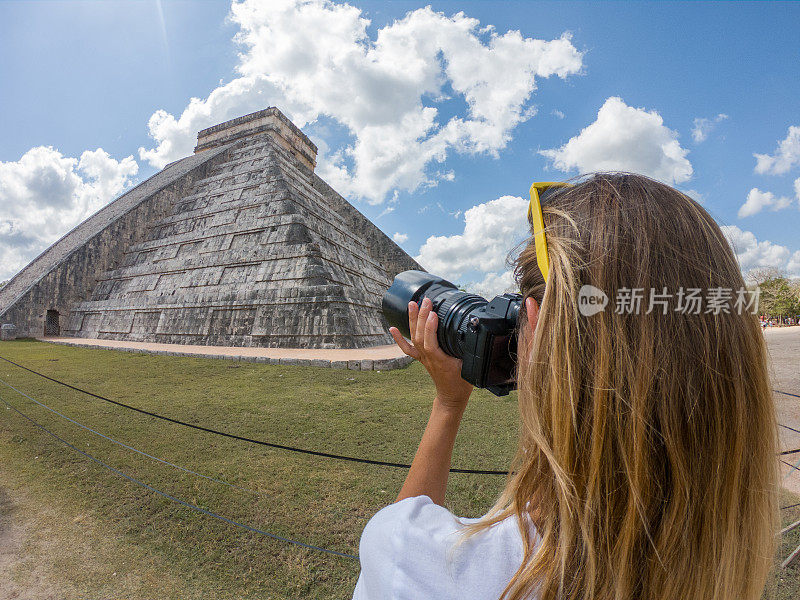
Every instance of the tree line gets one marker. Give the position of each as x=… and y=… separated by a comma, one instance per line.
x=779, y=297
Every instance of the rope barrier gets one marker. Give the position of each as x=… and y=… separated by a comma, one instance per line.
x=178, y=500
x=303, y=450
x=787, y=427
x=796, y=450
x=795, y=467
x=166, y=462
x=246, y=439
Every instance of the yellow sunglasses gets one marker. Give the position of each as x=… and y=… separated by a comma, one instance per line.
x=536, y=219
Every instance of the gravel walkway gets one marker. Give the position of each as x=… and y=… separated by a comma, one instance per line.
x=783, y=344
x=377, y=358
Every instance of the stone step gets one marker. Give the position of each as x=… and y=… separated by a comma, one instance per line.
x=300, y=260
x=304, y=317
x=231, y=235
x=278, y=298
x=260, y=278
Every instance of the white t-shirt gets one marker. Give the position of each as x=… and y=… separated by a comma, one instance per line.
x=407, y=551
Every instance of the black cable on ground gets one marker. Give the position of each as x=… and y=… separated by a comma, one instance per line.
x=202, y=510
x=794, y=467
x=110, y=439
x=302, y=450
x=178, y=500
x=242, y=438
x=787, y=427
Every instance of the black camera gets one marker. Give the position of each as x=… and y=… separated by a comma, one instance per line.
x=482, y=334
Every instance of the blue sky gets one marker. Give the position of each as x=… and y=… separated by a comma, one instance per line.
x=82, y=76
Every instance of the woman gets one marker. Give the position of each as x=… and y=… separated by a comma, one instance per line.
x=646, y=464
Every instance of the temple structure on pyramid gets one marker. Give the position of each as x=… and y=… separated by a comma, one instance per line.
x=240, y=244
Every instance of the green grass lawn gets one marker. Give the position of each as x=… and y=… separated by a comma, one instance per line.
x=101, y=536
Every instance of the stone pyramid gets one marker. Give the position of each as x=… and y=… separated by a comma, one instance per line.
x=242, y=246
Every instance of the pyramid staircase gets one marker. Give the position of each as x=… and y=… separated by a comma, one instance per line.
x=253, y=254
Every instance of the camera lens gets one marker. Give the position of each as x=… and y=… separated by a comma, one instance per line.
x=451, y=305
x=482, y=334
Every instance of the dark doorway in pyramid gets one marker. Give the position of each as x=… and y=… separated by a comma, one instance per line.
x=52, y=325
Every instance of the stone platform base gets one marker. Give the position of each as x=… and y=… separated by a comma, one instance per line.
x=377, y=358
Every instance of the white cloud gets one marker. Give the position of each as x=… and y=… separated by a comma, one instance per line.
x=793, y=266
x=753, y=254
x=176, y=138
x=44, y=194
x=400, y=238
x=702, y=127
x=477, y=257
x=624, y=138
x=695, y=195
x=557, y=113
x=787, y=155
x=758, y=200
x=491, y=230
x=494, y=284
x=383, y=90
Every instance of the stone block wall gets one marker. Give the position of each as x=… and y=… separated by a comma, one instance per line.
x=250, y=255
x=67, y=272
x=381, y=247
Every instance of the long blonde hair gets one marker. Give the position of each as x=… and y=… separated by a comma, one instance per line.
x=646, y=457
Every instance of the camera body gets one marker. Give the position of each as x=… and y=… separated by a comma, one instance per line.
x=482, y=334
x=490, y=345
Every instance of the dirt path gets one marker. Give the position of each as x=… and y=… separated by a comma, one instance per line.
x=783, y=344
x=9, y=543
x=378, y=358
x=15, y=532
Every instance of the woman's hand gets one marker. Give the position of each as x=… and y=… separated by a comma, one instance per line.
x=452, y=391
x=431, y=464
